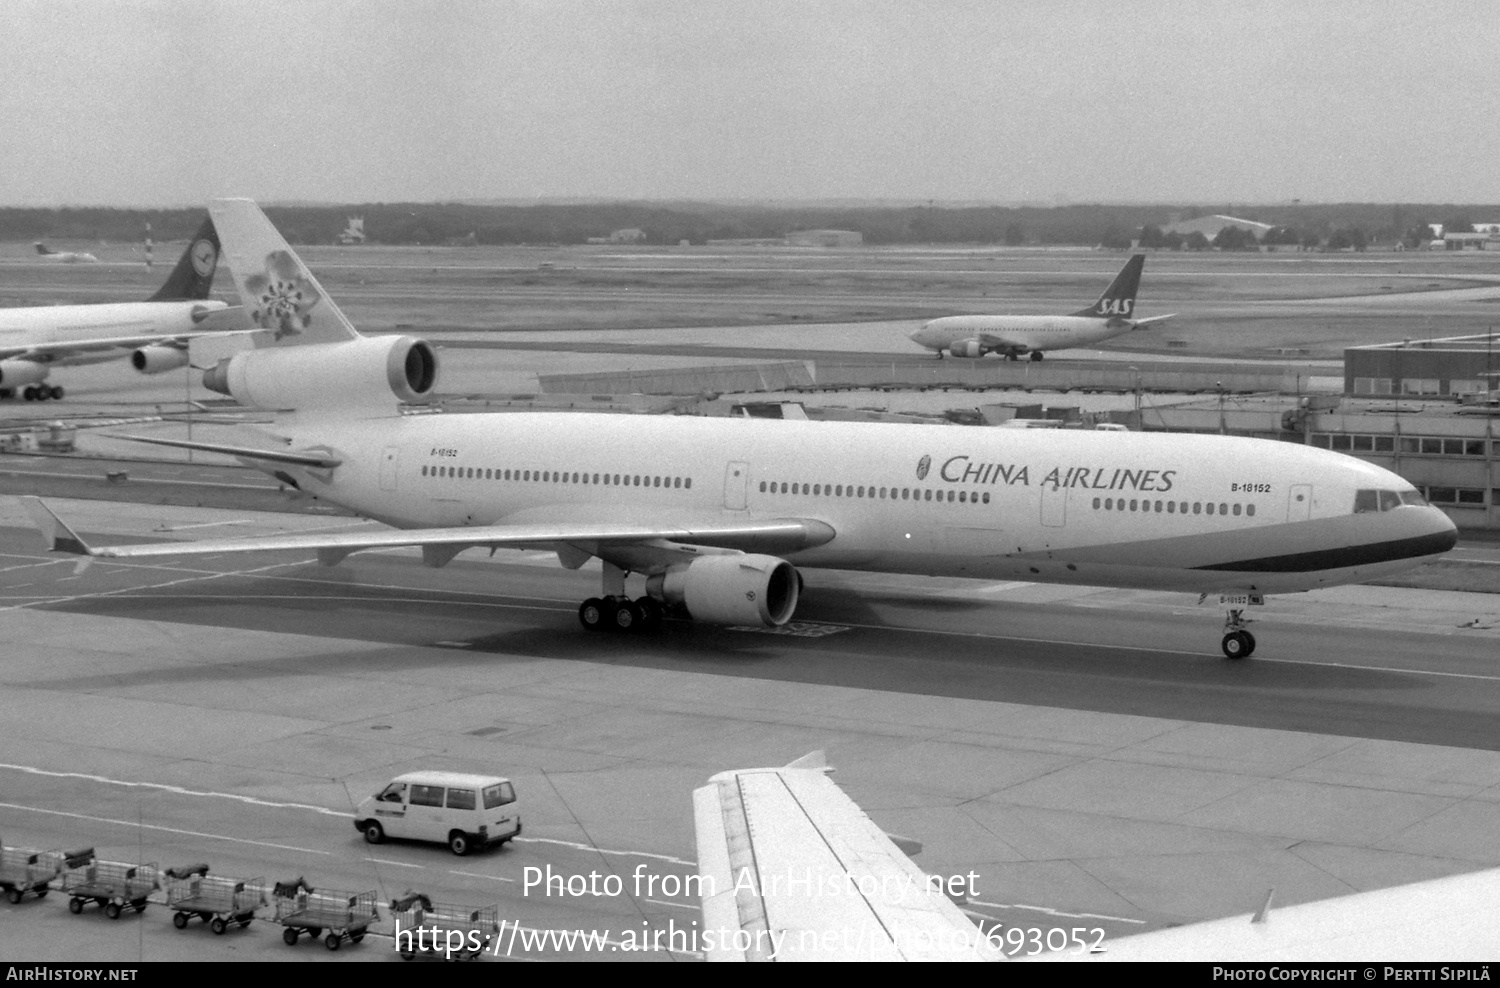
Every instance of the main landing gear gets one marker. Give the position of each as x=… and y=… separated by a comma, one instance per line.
x=615, y=611
x=1036, y=355
x=1238, y=643
x=620, y=614
x=35, y=392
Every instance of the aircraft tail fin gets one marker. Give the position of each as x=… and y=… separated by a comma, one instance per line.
x=1118, y=299
x=193, y=277
x=277, y=289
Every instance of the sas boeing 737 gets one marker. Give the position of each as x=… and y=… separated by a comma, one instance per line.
x=713, y=515
x=975, y=336
x=154, y=334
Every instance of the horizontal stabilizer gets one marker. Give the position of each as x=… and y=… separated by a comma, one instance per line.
x=1143, y=323
x=323, y=460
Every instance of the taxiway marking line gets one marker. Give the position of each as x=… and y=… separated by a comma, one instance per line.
x=1053, y=912
x=177, y=790
x=475, y=874
x=155, y=826
x=397, y=864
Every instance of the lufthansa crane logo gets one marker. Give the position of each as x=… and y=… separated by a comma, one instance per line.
x=923, y=465
x=205, y=258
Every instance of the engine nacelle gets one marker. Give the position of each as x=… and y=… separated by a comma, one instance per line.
x=158, y=359
x=19, y=373
x=363, y=371
x=966, y=348
x=731, y=589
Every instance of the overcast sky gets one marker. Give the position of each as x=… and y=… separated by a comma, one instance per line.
x=172, y=102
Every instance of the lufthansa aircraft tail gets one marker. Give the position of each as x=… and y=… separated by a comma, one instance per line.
x=193, y=277
x=1118, y=300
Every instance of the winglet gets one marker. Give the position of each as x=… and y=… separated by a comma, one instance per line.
x=1265, y=908
x=813, y=760
x=60, y=538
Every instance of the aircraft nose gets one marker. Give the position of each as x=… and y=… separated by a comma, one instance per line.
x=917, y=335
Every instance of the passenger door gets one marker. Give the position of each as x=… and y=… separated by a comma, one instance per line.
x=1054, y=506
x=424, y=815
x=1299, y=502
x=736, y=480
x=389, y=461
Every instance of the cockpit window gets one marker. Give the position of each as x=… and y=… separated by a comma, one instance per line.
x=1370, y=500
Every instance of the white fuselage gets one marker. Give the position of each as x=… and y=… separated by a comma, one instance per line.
x=1183, y=512
x=62, y=324
x=1019, y=334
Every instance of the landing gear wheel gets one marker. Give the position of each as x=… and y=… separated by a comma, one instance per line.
x=1011, y=356
x=289, y=937
x=374, y=833
x=217, y=925
x=624, y=616
x=591, y=614
x=1036, y=355
x=57, y=392
x=179, y=920
x=332, y=941
x=112, y=910
x=650, y=612
x=29, y=393
x=1238, y=645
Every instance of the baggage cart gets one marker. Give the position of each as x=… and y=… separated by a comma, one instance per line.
x=112, y=885
x=333, y=915
x=28, y=871
x=217, y=900
x=413, y=912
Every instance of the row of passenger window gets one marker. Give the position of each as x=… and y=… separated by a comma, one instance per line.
x=556, y=477
x=1172, y=507
x=1407, y=445
x=879, y=493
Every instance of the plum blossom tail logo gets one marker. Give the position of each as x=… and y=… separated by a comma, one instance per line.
x=283, y=298
x=923, y=465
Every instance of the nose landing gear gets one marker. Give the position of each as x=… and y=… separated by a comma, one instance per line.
x=1238, y=643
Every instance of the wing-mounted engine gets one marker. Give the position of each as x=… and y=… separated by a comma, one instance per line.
x=18, y=373
x=159, y=358
x=966, y=348
x=738, y=588
x=364, y=371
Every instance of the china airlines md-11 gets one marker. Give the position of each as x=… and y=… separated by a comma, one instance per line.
x=713, y=515
x=975, y=336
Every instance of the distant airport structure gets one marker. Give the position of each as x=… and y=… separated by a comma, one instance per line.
x=825, y=238
x=354, y=233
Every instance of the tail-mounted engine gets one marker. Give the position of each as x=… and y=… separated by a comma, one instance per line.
x=731, y=589
x=362, y=371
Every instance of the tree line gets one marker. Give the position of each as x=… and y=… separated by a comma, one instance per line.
x=1335, y=226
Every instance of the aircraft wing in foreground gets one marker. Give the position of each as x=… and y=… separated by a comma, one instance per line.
x=793, y=864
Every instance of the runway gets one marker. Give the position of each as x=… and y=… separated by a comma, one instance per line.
x=1086, y=751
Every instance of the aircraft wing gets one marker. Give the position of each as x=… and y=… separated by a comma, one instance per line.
x=587, y=538
x=227, y=325
x=793, y=870
x=1442, y=920
x=993, y=342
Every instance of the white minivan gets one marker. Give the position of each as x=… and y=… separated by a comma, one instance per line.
x=463, y=811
